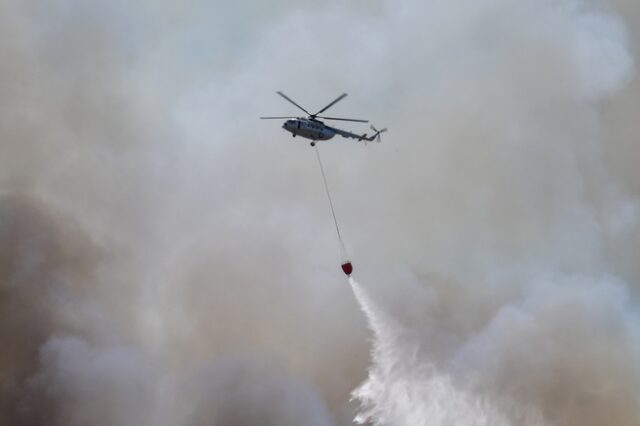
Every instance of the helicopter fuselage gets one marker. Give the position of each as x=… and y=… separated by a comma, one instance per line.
x=309, y=129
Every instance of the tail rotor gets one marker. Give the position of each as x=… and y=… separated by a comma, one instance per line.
x=377, y=134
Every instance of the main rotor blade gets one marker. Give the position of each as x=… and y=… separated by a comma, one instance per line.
x=338, y=99
x=344, y=119
x=289, y=99
x=275, y=118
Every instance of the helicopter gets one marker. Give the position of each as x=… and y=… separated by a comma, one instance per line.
x=311, y=128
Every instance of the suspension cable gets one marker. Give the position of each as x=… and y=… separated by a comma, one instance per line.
x=326, y=187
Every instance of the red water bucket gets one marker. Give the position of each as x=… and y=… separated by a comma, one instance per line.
x=347, y=268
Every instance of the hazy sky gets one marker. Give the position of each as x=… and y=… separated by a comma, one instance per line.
x=167, y=258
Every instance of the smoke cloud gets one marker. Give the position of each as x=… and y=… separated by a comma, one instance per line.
x=166, y=258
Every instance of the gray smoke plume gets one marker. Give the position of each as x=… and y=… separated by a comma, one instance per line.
x=519, y=308
x=166, y=258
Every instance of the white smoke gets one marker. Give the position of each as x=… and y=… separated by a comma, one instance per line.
x=166, y=258
x=520, y=309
